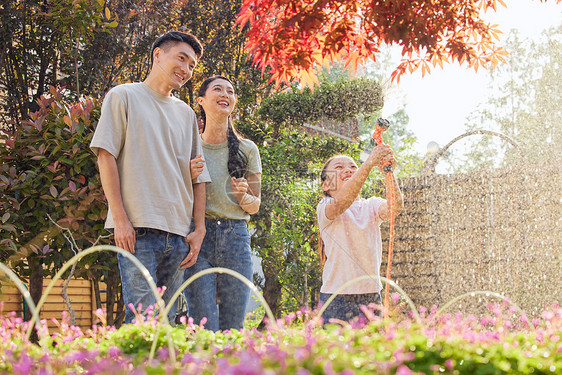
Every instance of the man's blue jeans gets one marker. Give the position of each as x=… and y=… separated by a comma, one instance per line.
x=221, y=298
x=161, y=253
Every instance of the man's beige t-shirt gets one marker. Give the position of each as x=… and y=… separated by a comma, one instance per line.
x=353, y=246
x=153, y=138
x=221, y=203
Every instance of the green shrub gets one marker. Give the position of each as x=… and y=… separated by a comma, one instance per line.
x=49, y=175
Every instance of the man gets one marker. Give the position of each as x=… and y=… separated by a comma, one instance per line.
x=144, y=142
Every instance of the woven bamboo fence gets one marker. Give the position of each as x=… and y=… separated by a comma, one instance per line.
x=498, y=231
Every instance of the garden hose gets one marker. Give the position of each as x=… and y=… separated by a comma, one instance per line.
x=381, y=126
x=390, y=195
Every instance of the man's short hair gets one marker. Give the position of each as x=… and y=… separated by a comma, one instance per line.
x=173, y=37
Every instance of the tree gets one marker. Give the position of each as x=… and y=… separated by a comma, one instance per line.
x=295, y=38
x=214, y=24
x=122, y=53
x=525, y=105
x=398, y=136
x=40, y=42
x=90, y=46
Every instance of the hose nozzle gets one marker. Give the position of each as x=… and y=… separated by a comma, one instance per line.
x=383, y=123
x=381, y=126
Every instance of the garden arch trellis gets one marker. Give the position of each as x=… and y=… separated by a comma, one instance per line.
x=434, y=160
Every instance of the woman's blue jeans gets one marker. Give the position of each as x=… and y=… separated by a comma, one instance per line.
x=348, y=306
x=221, y=298
x=161, y=253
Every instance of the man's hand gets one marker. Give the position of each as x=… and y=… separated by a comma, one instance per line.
x=194, y=240
x=124, y=235
x=196, y=166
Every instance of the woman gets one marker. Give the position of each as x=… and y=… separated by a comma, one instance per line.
x=233, y=195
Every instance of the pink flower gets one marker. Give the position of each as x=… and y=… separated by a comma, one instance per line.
x=289, y=318
x=496, y=309
x=404, y=370
x=114, y=352
x=24, y=366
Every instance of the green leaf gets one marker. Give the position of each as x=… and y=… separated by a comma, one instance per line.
x=9, y=227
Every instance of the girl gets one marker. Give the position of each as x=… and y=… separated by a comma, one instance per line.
x=350, y=238
x=233, y=195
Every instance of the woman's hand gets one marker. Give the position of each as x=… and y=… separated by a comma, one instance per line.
x=239, y=188
x=196, y=166
x=247, y=192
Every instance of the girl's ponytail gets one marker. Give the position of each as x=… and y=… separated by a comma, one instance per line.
x=321, y=251
x=323, y=177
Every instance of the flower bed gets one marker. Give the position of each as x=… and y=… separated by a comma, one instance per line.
x=500, y=342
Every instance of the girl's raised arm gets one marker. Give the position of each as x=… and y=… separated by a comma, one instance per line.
x=350, y=190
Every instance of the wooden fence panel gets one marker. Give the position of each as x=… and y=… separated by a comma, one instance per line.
x=79, y=294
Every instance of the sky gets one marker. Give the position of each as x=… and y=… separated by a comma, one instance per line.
x=439, y=103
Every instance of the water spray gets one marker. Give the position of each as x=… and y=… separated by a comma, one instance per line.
x=381, y=126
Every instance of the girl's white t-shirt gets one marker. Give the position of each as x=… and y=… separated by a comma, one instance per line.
x=353, y=246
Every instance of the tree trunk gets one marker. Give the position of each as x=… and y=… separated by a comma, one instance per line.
x=119, y=311
x=96, y=285
x=115, y=306
x=271, y=294
x=35, y=287
x=109, y=298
